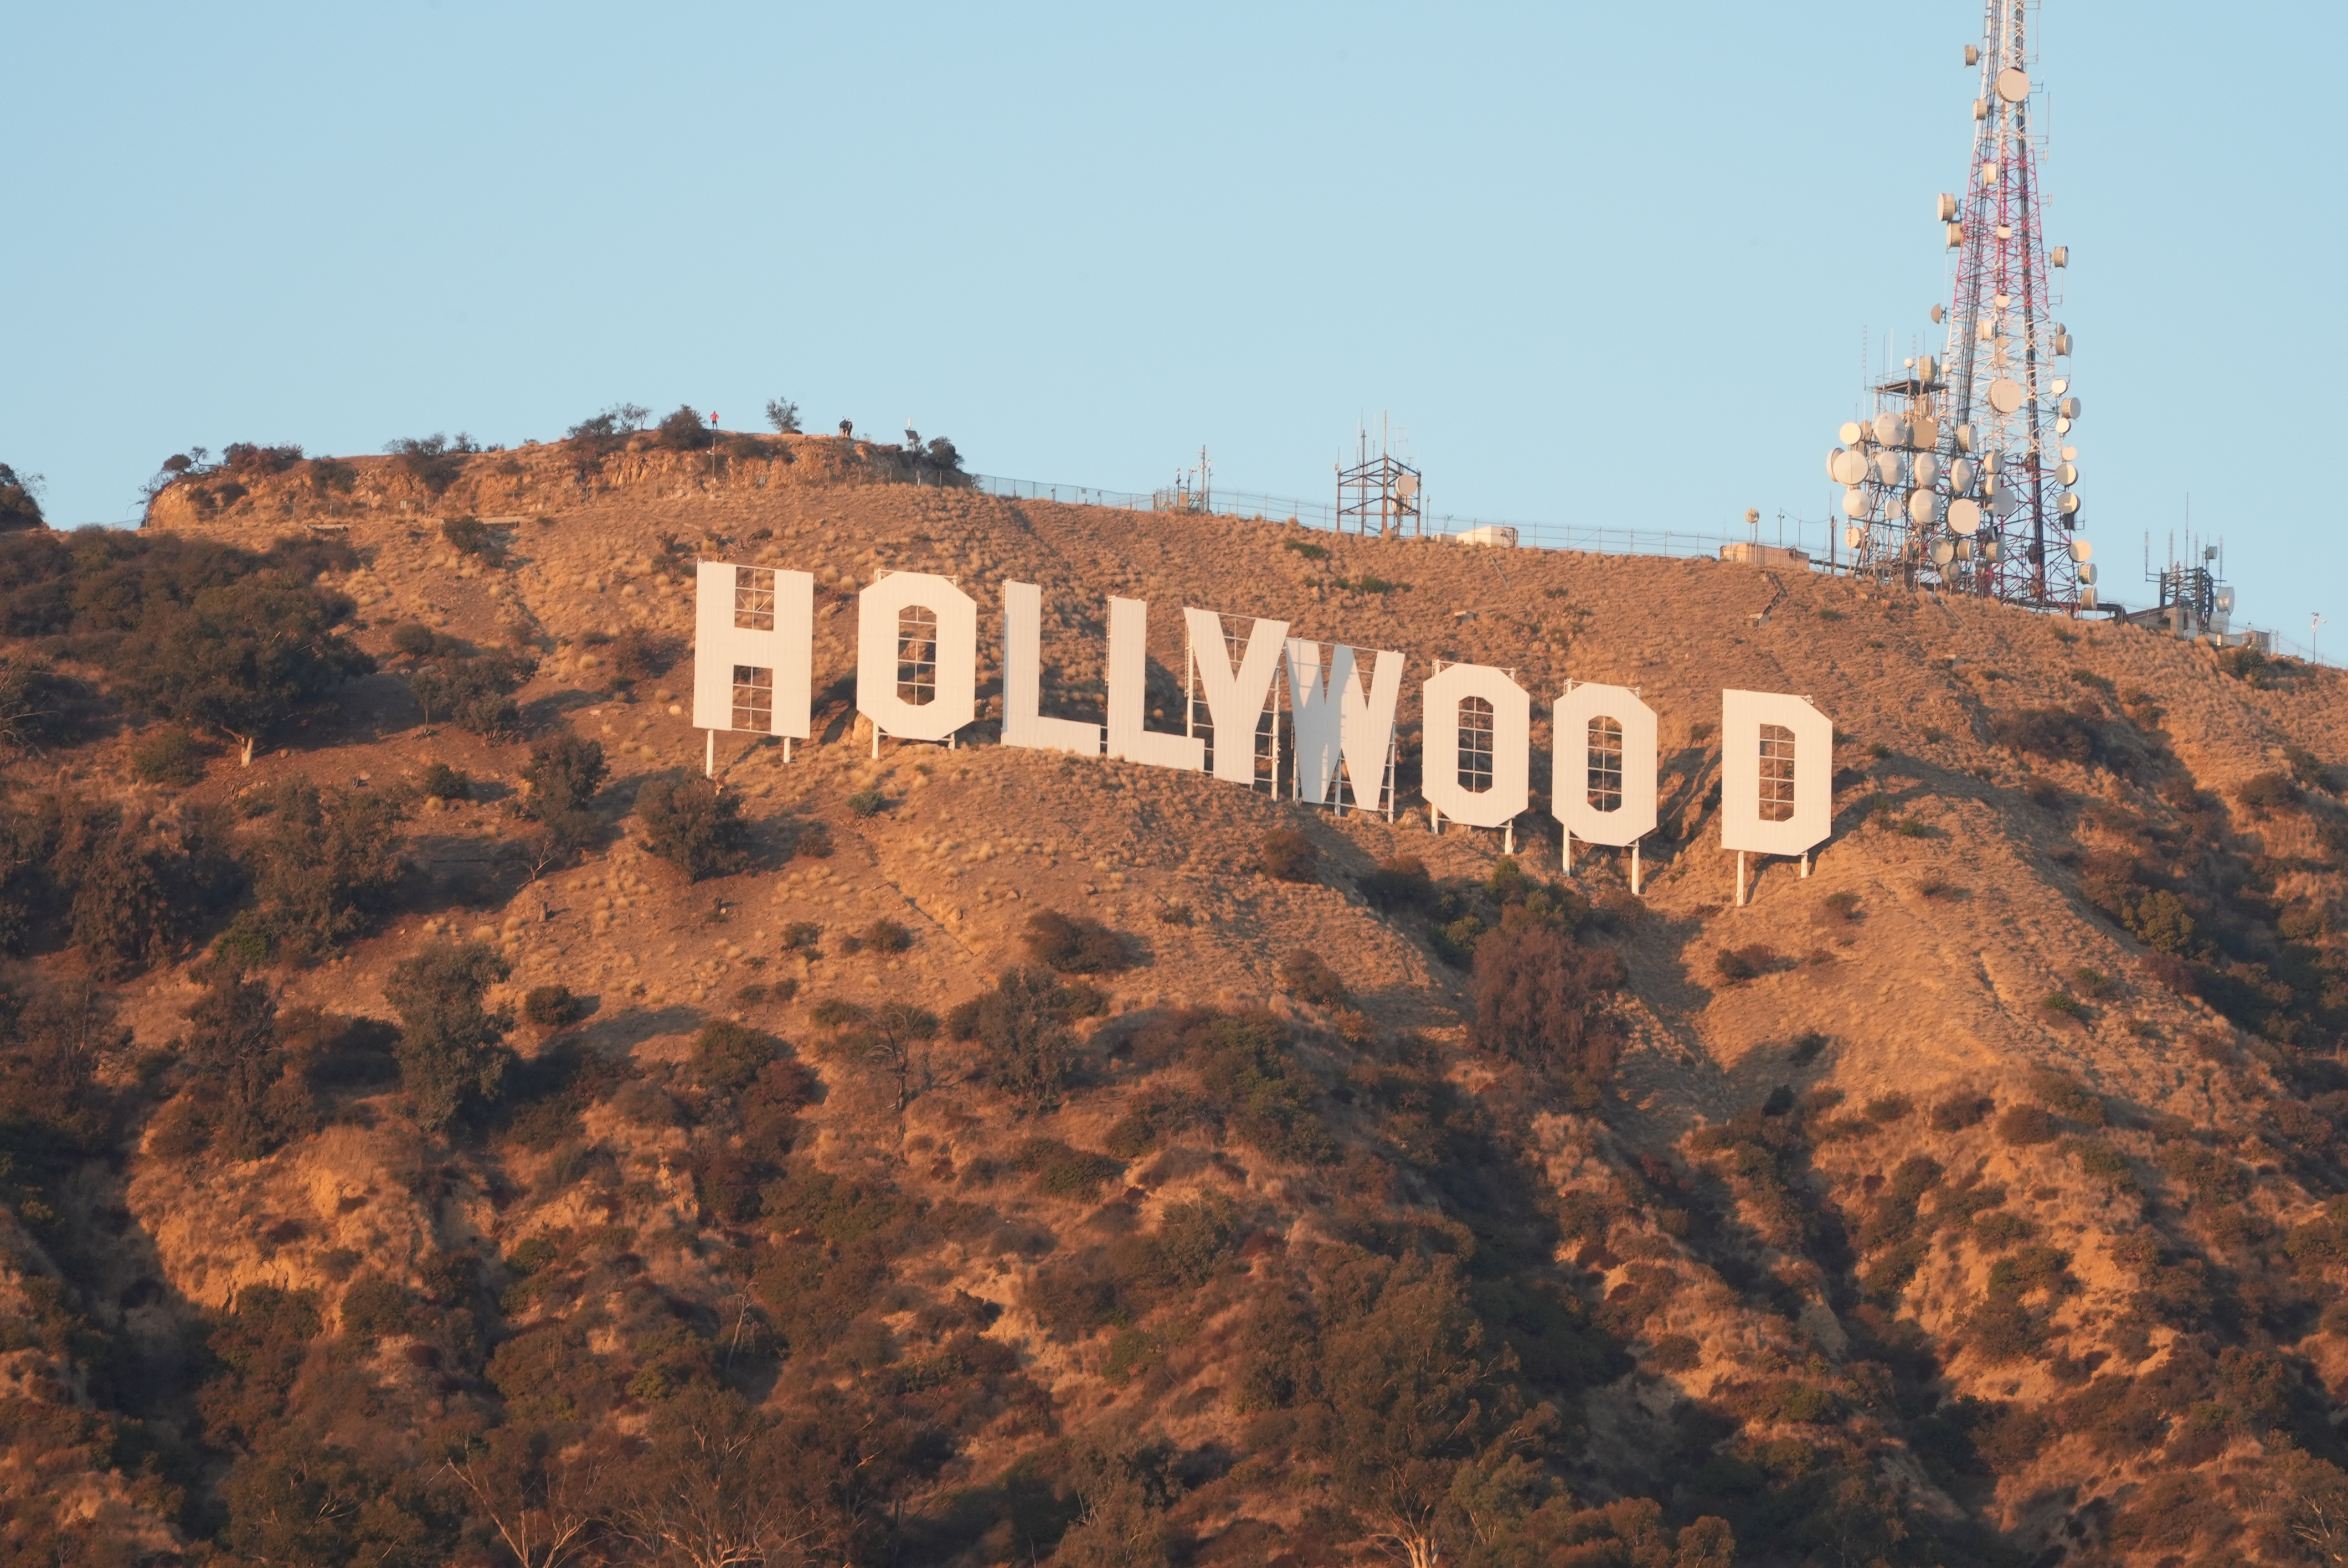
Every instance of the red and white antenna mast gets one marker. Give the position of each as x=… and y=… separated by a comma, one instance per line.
x=1963, y=479
x=2009, y=396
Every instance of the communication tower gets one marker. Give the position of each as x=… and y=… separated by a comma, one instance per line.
x=1381, y=495
x=1966, y=478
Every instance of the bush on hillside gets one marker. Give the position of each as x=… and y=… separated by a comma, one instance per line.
x=1287, y=855
x=1307, y=977
x=474, y=693
x=1022, y=1029
x=1538, y=996
x=452, y=1058
x=433, y=461
x=20, y=505
x=1074, y=945
x=784, y=415
x=168, y=756
x=326, y=864
x=564, y=774
x=39, y=707
x=695, y=827
x=552, y=1007
x=243, y=660
x=685, y=431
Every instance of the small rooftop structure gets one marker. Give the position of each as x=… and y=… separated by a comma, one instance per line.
x=1745, y=553
x=1496, y=535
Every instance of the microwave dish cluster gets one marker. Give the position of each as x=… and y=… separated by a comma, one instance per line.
x=1966, y=478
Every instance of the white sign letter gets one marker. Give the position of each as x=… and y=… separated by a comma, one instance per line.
x=1336, y=716
x=1022, y=681
x=1479, y=749
x=753, y=649
x=916, y=656
x=1604, y=789
x=1235, y=702
x=1129, y=663
x=1776, y=772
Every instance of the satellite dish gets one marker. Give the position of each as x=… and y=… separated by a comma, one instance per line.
x=1938, y=315
x=1890, y=428
x=1854, y=502
x=1964, y=550
x=2070, y=454
x=1926, y=468
x=1407, y=486
x=2068, y=408
x=2086, y=572
x=1923, y=507
x=1854, y=537
x=2012, y=85
x=1888, y=465
x=1991, y=549
x=2062, y=428
x=1924, y=431
x=1965, y=437
x=2001, y=499
x=2061, y=387
x=1943, y=552
x=1847, y=467
x=2068, y=472
x=1833, y=459
x=2005, y=394
x=2070, y=507
x=2081, y=550
x=1964, y=519
x=1960, y=475
x=1853, y=433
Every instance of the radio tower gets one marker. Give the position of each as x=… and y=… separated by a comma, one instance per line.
x=1964, y=478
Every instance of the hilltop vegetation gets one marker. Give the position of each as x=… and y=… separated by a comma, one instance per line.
x=439, y=1125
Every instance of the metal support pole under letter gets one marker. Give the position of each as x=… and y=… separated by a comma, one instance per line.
x=1634, y=868
x=709, y=757
x=1740, y=879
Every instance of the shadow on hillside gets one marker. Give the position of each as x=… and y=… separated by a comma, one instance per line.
x=628, y=1027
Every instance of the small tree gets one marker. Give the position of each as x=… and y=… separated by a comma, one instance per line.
x=1074, y=945
x=1021, y=1026
x=563, y=774
x=327, y=862
x=475, y=693
x=452, y=1053
x=1287, y=855
x=20, y=505
x=239, y=1069
x=695, y=826
x=243, y=660
x=1538, y=996
x=783, y=414
x=683, y=431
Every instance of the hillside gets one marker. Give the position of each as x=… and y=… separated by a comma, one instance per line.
x=1978, y=1198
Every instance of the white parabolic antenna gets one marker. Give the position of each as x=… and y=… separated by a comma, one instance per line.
x=1964, y=517
x=1961, y=474
x=2070, y=505
x=2005, y=394
x=1888, y=429
x=1853, y=433
x=1854, y=537
x=1927, y=467
x=2082, y=550
x=1943, y=552
x=1849, y=467
x=1854, y=502
x=1887, y=467
x=1407, y=486
x=2012, y=85
x=1923, y=507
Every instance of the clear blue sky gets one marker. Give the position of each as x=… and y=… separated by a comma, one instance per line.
x=1608, y=265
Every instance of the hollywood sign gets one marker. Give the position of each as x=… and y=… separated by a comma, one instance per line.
x=917, y=680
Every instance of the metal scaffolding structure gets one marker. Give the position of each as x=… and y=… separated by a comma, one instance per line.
x=1381, y=495
x=1964, y=479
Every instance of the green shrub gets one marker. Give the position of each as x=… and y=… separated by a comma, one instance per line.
x=813, y=841
x=564, y=773
x=1287, y=855
x=442, y=782
x=887, y=935
x=867, y=803
x=683, y=431
x=168, y=756
x=1538, y=1000
x=1398, y=883
x=327, y=864
x=1022, y=1029
x=1074, y=945
x=452, y=1060
x=801, y=937
x=466, y=536
x=552, y=1007
x=1960, y=1112
x=474, y=693
x=2024, y=1125
x=414, y=639
x=1307, y=977
x=1058, y=1171
x=728, y=1056
x=695, y=827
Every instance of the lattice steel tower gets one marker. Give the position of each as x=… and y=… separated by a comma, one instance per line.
x=1964, y=479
